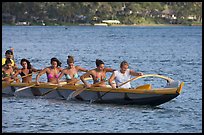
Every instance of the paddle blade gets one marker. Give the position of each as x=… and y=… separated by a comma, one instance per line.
x=75, y=93
x=49, y=91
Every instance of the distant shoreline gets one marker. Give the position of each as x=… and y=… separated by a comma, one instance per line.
x=113, y=25
x=156, y=25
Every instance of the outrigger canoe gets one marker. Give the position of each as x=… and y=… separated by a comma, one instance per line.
x=141, y=95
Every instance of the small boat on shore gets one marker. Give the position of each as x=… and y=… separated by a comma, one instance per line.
x=141, y=95
x=100, y=24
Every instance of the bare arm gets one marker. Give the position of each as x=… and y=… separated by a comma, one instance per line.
x=81, y=69
x=36, y=70
x=111, y=79
x=60, y=76
x=60, y=69
x=39, y=74
x=16, y=74
x=109, y=70
x=89, y=73
x=133, y=73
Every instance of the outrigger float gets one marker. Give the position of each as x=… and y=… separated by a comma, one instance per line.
x=141, y=95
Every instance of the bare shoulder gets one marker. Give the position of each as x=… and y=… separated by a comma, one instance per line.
x=77, y=67
x=92, y=71
x=45, y=69
x=131, y=70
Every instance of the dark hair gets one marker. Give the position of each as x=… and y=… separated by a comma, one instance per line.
x=70, y=59
x=123, y=63
x=55, y=59
x=99, y=62
x=27, y=61
x=9, y=52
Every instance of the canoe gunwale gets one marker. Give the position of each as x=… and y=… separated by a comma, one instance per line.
x=153, y=97
x=99, y=89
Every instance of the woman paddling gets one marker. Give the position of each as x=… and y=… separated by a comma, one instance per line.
x=98, y=74
x=8, y=72
x=71, y=72
x=51, y=71
x=26, y=71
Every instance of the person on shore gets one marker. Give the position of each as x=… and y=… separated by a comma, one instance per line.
x=71, y=72
x=26, y=71
x=98, y=75
x=122, y=75
x=51, y=71
x=9, y=54
x=8, y=72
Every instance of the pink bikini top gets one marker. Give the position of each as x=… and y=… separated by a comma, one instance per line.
x=51, y=76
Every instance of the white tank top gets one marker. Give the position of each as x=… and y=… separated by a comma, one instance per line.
x=121, y=78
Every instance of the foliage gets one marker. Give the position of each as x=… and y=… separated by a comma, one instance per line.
x=57, y=13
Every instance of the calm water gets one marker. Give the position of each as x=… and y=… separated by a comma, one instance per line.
x=170, y=51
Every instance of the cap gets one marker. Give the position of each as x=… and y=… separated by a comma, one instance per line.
x=9, y=52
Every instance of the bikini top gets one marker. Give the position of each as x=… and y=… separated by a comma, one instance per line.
x=68, y=77
x=4, y=74
x=22, y=74
x=98, y=79
x=52, y=76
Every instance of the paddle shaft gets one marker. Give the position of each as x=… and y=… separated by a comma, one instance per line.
x=20, y=89
x=18, y=77
x=23, y=88
x=53, y=89
x=14, y=79
x=147, y=86
x=78, y=91
x=148, y=75
x=127, y=81
x=49, y=91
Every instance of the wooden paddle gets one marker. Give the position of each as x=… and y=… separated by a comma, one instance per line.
x=77, y=92
x=53, y=89
x=23, y=88
x=128, y=81
x=146, y=86
x=148, y=75
x=7, y=84
x=80, y=90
